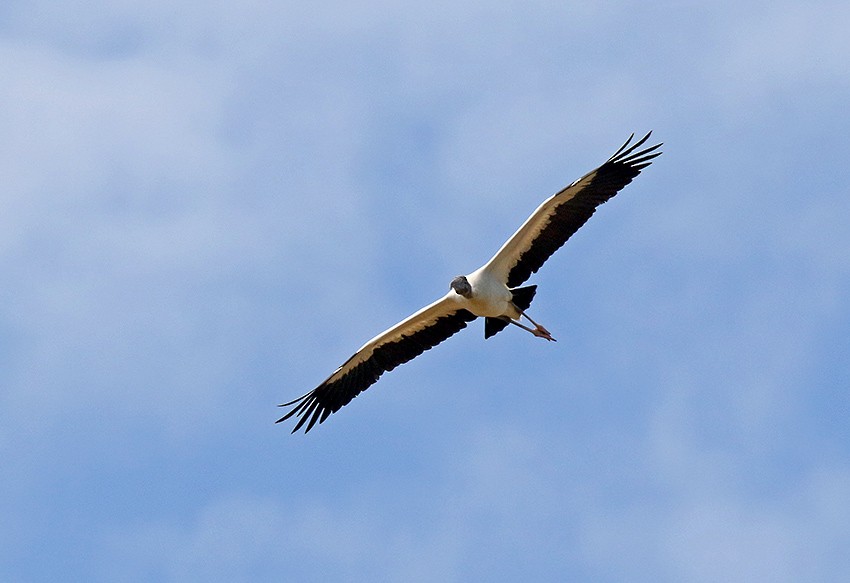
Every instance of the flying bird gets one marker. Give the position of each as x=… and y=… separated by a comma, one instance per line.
x=490, y=292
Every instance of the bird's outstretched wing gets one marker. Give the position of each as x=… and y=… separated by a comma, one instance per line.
x=555, y=221
x=401, y=343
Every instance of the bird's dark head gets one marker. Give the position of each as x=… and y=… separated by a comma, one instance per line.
x=461, y=285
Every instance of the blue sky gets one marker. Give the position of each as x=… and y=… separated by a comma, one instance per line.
x=207, y=206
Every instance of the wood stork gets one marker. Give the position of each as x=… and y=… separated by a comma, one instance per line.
x=490, y=292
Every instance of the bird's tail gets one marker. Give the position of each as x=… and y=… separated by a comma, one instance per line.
x=522, y=297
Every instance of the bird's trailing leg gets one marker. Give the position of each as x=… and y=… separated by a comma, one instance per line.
x=538, y=330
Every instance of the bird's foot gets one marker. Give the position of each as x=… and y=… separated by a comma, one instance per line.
x=542, y=332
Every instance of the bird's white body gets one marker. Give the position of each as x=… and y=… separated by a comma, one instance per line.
x=491, y=298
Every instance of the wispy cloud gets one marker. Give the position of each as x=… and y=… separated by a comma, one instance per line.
x=206, y=207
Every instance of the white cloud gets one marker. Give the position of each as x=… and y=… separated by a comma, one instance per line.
x=125, y=204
